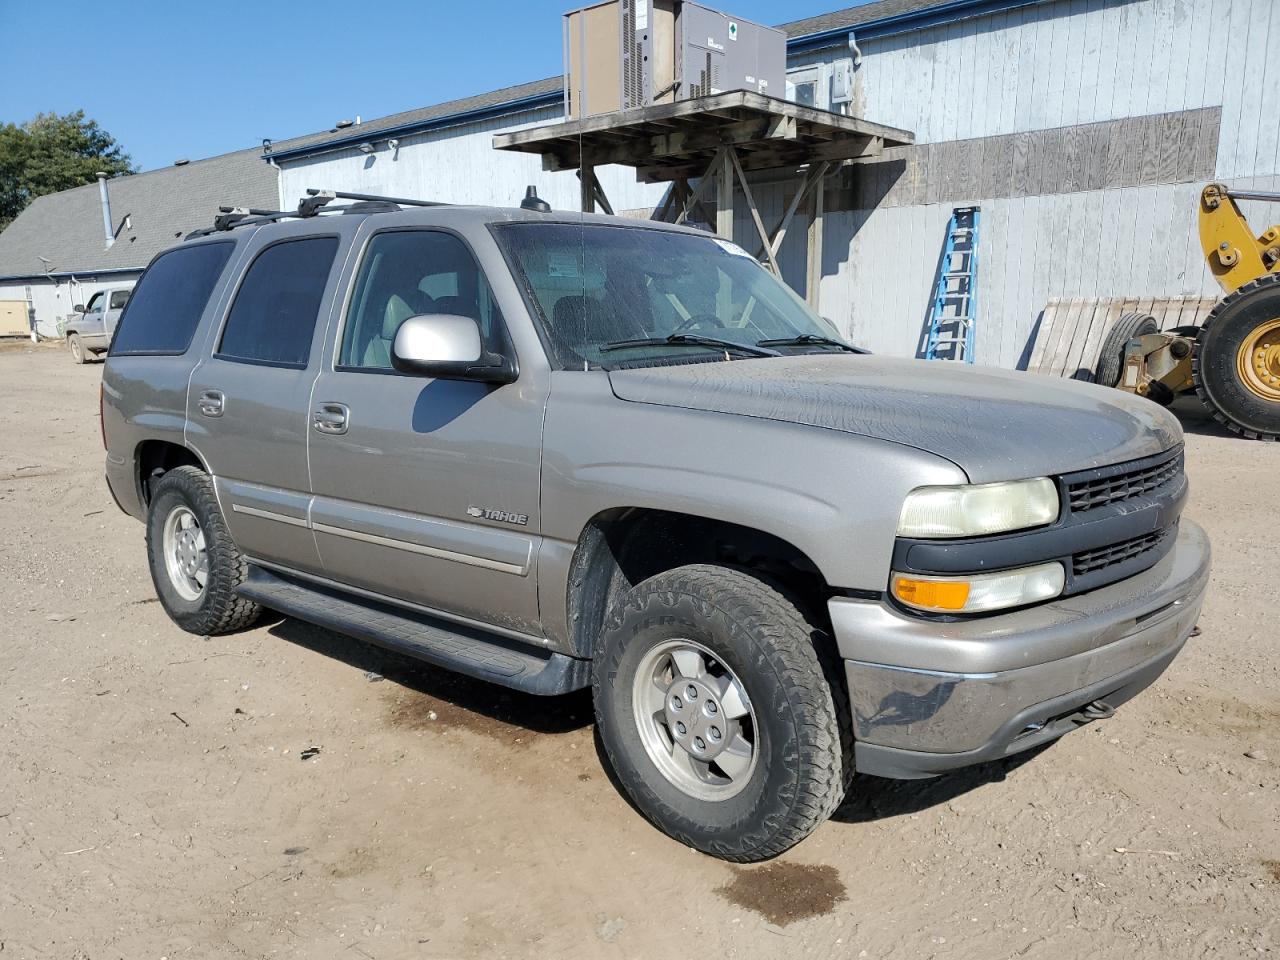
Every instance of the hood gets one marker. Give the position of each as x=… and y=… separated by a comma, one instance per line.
x=993, y=424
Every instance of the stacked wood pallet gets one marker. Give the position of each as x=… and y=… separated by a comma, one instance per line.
x=1071, y=331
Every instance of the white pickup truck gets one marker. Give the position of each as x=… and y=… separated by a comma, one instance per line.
x=89, y=332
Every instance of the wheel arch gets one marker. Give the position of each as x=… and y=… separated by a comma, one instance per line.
x=154, y=458
x=623, y=546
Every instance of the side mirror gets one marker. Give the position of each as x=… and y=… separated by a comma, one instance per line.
x=448, y=347
x=78, y=308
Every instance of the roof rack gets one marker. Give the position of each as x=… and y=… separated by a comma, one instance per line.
x=341, y=195
x=315, y=202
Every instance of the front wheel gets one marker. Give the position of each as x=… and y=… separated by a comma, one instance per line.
x=715, y=711
x=77, y=349
x=195, y=565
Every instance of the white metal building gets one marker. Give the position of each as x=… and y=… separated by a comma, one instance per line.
x=1083, y=128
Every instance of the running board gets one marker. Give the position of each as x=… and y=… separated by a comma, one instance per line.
x=465, y=650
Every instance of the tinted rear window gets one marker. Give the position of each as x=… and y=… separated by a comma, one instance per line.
x=162, y=315
x=274, y=315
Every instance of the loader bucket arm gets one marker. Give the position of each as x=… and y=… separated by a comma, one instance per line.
x=1235, y=256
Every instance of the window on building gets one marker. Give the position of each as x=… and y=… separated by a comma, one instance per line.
x=406, y=273
x=167, y=303
x=810, y=86
x=273, y=318
x=118, y=299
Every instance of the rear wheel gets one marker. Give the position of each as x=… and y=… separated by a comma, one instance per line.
x=716, y=715
x=195, y=565
x=1236, y=366
x=77, y=349
x=1111, y=359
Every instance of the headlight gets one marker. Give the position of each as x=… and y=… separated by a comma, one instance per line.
x=971, y=510
x=981, y=592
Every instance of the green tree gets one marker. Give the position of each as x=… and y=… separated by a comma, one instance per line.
x=51, y=153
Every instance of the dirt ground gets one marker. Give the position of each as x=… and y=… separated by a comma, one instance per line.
x=155, y=801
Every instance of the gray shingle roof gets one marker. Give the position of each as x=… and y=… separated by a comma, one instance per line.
x=837, y=20
x=162, y=205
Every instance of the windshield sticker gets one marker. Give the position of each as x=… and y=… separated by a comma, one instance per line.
x=563, y=265
x=732, y=248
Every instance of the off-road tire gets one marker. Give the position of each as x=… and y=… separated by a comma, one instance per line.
x=1111, y=357
x=219, y=609
x=804, y=731
x=76, y=347
x=1213, y=364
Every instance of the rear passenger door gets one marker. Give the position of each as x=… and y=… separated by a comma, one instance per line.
x=247, y=408
x=426, y=490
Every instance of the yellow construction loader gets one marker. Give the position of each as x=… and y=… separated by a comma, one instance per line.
x=1232, y=359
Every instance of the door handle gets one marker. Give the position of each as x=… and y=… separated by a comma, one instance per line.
x=212, y=403
x=331, y=417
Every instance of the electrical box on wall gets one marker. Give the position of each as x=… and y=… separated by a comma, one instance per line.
x=624, y=54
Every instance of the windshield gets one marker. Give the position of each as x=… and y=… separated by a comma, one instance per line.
x=597, y=288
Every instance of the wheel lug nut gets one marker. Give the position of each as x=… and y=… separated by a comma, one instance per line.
x=714, y=734
x=677, y=703
x=691, y=692
x=711, y=708
x=681, y=729
x=699, y=744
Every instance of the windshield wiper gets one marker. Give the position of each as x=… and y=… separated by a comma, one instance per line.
x=693, y=340
x=805, y=339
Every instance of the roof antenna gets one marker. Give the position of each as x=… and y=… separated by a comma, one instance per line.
x=534, y=202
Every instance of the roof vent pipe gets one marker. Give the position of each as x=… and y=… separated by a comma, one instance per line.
x=106, y=208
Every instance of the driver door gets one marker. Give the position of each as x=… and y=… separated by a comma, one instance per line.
x=425, y=490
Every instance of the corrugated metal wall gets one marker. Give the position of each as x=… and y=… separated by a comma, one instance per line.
x=1097, y=209
x=1042, y=67
x=459, y=165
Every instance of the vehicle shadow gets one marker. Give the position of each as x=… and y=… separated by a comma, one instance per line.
x=869, y=798
x=875, y=798
x=548, y=715
x=1195, y=418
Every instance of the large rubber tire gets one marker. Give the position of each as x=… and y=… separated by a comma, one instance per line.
x=802, y=727
x=1213, y=365
x=1111, y=359
x=218, y=609
x=78, y=354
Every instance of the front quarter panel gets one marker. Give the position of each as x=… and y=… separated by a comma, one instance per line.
x=834, y=496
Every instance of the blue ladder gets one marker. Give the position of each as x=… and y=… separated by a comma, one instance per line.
x=955, y=302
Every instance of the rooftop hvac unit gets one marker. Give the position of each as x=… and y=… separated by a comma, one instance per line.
x=624, y=54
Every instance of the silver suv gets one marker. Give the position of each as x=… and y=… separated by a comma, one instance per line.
x=560, y=451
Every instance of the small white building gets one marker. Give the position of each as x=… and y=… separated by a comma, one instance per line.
x=60, y=250
x=1084, y=129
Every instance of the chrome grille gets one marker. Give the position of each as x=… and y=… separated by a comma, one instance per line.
x=1087, y=494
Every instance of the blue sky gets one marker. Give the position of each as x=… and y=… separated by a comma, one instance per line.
x=185, y=78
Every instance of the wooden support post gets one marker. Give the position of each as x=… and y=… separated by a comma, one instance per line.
x=704, y=184
x=755, y=213
x=780, y=231
x=587, y=176
x=724, y=194
x=814, y=283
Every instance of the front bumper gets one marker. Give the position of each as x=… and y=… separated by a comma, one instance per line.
x=929, y=696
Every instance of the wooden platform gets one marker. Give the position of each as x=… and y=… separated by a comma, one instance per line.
x=674, y=141
x=1069, y=339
